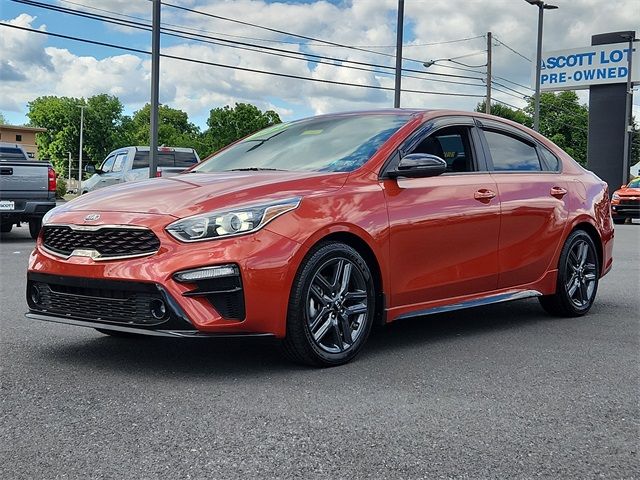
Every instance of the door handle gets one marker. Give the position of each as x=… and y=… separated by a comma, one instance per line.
x=558, y=192
x=484, y=194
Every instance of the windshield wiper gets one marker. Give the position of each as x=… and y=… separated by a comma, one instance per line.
x=255, y=169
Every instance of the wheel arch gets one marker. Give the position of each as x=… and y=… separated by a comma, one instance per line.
x=592, y=231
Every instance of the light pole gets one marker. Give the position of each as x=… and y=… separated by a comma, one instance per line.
x=628, y=127
x=82, y=107
x=399, y=35
x=541, y=8
x=155, y=89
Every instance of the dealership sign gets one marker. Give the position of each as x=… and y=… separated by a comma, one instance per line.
x=578, y=68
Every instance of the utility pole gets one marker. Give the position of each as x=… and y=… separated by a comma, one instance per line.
x=399, y=28
x=488, y=101
x=628, y=127
x=155, y=83
x=82, y=107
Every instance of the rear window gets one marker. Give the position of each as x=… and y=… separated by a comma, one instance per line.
x=166, y=159
x=11, y=153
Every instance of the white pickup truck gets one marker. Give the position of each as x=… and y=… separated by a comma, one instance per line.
x=131, y=164
x=27, y=189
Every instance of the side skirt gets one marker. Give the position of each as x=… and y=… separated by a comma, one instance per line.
x=477, y=302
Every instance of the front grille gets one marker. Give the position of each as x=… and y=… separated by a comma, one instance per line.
x=627, y=202
x=109, y=242
x=104, y=301
x=133, y=309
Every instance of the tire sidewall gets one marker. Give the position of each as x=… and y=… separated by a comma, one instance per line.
x=563, y=272
x=298, y=314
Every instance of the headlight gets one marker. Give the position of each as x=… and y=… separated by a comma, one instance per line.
x=615, y=196
x=226, y=223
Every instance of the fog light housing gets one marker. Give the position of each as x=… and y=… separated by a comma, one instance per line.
x=158, y=309
x=36, y=296
x=206, y=273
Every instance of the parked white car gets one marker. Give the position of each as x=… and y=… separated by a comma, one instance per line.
x=131, y=164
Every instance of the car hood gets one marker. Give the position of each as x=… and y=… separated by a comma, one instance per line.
x=628, y=192
x=194, y=193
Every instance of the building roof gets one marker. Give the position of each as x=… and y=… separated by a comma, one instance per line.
x=23, y=128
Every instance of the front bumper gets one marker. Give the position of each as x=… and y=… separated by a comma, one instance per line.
x=264, y=259
x=626, y=209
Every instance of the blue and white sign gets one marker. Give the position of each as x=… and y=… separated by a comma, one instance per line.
x=579, y=68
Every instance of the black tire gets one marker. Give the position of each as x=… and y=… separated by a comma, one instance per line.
x=6, y=227
x=619, y=221
x=118, y=334
x=324, y=315
x=578, y=276
x=35, y=224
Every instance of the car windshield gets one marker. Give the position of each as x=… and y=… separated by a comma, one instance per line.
x=326, y=144
x=635, y=183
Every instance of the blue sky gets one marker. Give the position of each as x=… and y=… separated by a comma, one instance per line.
x=63, y=67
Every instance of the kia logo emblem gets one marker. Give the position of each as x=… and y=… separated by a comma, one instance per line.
x=92, y=217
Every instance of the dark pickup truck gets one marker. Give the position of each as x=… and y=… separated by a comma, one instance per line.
x=27, y=189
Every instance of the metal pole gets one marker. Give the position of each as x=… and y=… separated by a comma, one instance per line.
x=628, y=129
x=155, y=82
x=487, y=108
x=536, y=111
x=82, y=107
x=69, y=184
x=399, y=28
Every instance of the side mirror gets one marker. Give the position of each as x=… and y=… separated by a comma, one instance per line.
x=418, y=165
x=90, y=169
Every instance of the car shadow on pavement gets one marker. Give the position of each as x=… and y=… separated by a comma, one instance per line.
x=153, y=356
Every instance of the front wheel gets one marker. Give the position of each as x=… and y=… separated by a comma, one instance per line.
x=619, y=221
x=331, y=308
x=578, y=275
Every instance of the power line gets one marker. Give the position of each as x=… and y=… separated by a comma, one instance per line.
x=512, y=49
x=309, y=57
x=282, y=32
x=234, y=67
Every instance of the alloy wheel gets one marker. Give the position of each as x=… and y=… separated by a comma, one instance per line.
x=337, y=305
x=581, y=273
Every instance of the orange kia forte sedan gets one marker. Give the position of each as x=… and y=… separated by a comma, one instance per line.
x=316, y=230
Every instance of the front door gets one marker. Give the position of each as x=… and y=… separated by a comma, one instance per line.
x=444, y=229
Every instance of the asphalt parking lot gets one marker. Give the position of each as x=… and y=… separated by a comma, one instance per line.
x=495, y=392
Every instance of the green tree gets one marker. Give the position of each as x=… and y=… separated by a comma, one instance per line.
x=565, y=122
x=61, y=117
x=174, y=128
x=226, y=125
x=3, y=121
x=506, y=112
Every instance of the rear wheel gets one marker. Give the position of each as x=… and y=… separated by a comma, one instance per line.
x=578, y=275
x=6, y=227
x=331, y=308
x=35, y=224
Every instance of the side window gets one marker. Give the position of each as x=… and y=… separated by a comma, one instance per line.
x=511, y=154
x=141, y=160
x=550, y=161
x=452, y=145
x=107, y=165
x=119, y=161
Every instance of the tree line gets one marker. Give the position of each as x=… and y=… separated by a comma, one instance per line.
x=106, y=128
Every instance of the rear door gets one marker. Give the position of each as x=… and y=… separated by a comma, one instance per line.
x=444, y=229
x=532, y=198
